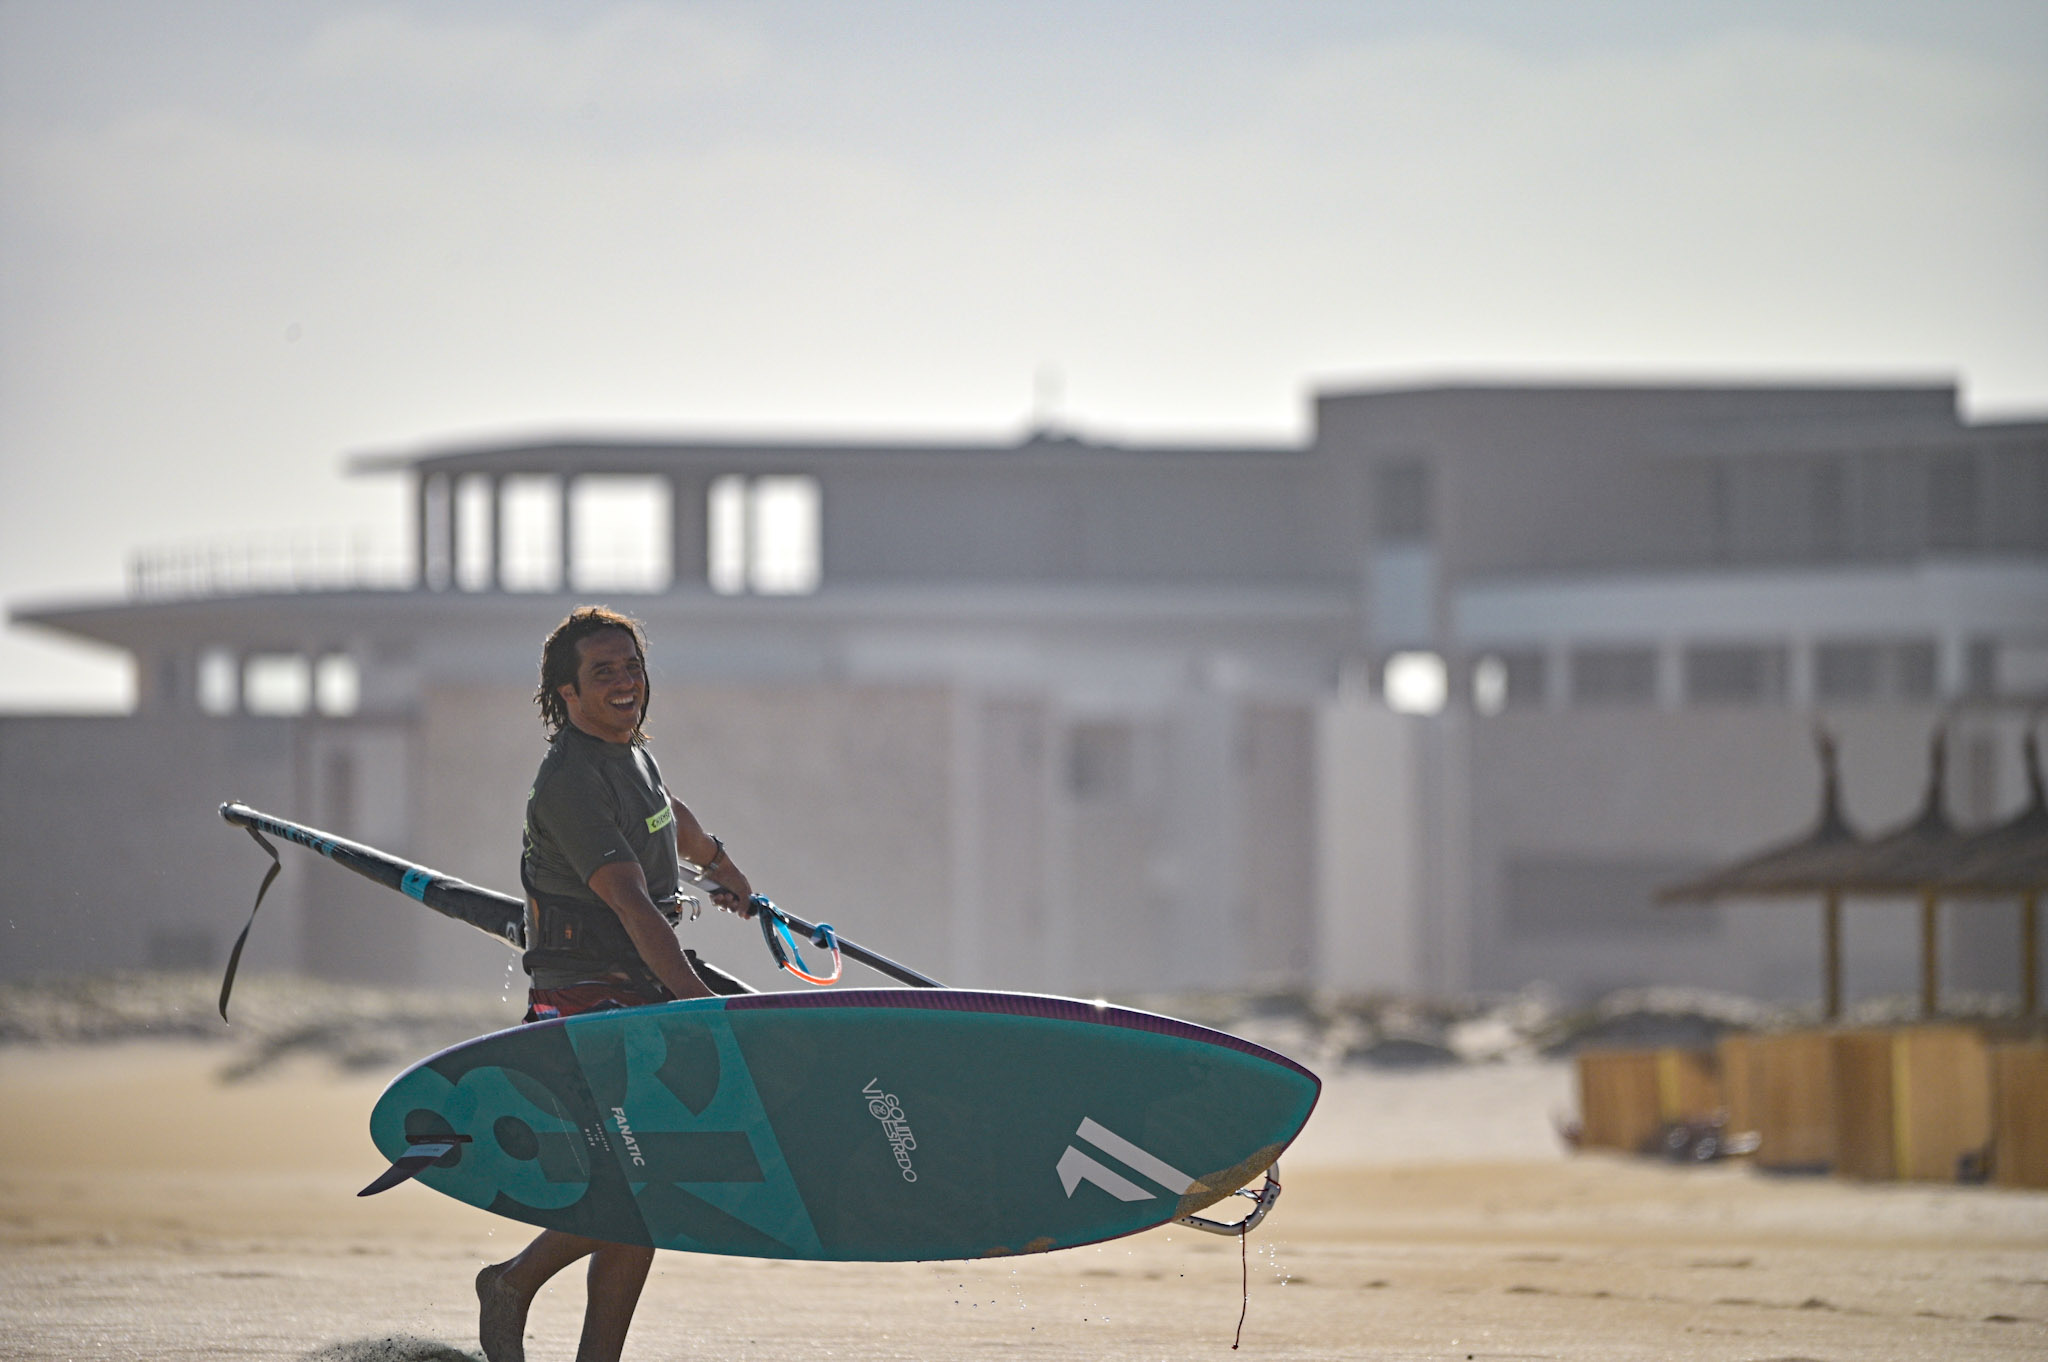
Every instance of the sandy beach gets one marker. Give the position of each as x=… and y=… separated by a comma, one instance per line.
x=150, y=1210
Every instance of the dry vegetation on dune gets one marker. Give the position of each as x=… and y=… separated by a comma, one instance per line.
x=361, y=1027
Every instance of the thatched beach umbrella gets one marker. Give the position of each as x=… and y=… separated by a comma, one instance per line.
x=1926, y=857
x=1912, y=859
x=2011, y=861
x=1809, y=864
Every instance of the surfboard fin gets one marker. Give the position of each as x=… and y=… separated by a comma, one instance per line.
x=416, y=1159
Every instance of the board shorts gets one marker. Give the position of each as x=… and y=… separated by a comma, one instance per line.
x=595, y=995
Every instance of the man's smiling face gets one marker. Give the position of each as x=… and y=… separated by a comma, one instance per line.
x=609, y=696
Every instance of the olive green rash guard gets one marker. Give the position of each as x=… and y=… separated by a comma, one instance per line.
x=594, y=803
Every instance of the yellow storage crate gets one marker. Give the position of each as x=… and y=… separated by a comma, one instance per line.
x=2019, y=1125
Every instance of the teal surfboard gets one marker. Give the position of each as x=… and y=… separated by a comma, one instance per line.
x=877, y=1125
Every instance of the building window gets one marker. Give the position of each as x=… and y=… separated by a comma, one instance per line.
x=436, y=567
x=337, y=686
x=1721, y=511
x=218, y=683
x=726, y=534
x=1738, y=674
x=1402, y=513
x=1846, y=671
x=1914, y=674
x=1614, y=676
x=619, y=533
x=1828, y=509
x=2021, y=668
x=1490, y=685
x=1952, y=502
x=765, y=535
x=530, y=522
x=1415, y=683
x=276, y=683
x=473, y=525
x=1862, y=671
x=1980, y=668
x=1504, y=680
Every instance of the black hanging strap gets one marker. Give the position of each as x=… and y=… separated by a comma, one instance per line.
x=227, y=984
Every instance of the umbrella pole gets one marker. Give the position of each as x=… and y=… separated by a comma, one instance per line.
x=1831, y=953
x=1930, y=955
x=2030, y=953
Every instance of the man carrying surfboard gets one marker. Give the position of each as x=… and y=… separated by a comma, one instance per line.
x=601, y=861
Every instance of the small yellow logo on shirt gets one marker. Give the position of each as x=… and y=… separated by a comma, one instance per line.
x=657, y=821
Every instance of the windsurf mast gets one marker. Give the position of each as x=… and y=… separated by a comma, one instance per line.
x=487, y=910
x=500, y=916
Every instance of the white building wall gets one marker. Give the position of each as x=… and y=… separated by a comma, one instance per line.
x=1197, y=871
x=116, y=857
x=354, y=780
x=1370, y=863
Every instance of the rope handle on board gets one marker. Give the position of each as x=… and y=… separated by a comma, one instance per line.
x=1262, y=1201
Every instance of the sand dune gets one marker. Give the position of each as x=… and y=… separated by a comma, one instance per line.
x=148, y=1210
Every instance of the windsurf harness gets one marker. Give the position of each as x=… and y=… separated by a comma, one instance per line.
x=569, y=941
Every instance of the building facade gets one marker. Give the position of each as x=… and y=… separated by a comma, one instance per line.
x=1429, y=703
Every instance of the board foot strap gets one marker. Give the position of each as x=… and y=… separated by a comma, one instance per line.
x=416, y=1159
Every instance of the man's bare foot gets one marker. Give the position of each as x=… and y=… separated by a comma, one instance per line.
x=501, y=1316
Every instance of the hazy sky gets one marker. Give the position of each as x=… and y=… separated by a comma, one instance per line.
x=239, y=242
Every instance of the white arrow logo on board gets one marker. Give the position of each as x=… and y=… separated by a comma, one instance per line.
x=1076, y=1167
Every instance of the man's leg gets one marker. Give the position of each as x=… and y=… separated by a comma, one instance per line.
x=617, y=1272
x=505, y=1290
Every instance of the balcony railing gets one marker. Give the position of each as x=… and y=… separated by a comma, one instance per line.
x=278, y=565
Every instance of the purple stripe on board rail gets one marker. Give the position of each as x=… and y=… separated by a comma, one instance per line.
x=1012, y=1005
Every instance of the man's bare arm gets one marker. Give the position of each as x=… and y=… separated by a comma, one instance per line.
x=623, y=887
x=701, y=849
